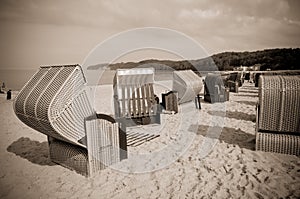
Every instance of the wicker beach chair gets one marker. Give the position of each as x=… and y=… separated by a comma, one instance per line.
x=170, y=101
x=241, y=78
x=233, y=82
x=257, y=74
x=134, y=98
x=256, y=78
x=214, y=89
x=187, y=84
x=247, y=76
x=278, y=114
x=55, y=103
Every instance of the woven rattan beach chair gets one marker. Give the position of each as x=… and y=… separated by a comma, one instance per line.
x=256, y=78
x=278, y=114
x=214, y=89
x=241, y=78
x=55, y=102
x=134, y=97
x=170, y=101
x=187, y=84
x=233, y=82
x=247, y=76
x=257, y=74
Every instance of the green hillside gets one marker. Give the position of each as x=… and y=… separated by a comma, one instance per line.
x=274, y=59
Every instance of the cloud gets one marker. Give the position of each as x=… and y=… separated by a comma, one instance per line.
x=198, y=13
x=133, y=13
x=216, y=24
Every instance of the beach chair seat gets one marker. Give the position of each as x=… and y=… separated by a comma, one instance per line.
x=55, y=102
x=278, y=114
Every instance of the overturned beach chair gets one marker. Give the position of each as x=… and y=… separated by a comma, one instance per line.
x=55, y=103
x=187, y=84
x=134, y=98
x=278, y=114
x=214, y=89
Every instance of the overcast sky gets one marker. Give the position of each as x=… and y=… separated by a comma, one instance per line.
x=35, y=32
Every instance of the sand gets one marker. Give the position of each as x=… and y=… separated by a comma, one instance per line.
x=232, y=169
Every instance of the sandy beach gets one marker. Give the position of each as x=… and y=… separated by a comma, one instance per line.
x=232, y=169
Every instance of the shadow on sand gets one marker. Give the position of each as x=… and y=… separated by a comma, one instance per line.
x=247, y=95
x=248, y=91
x=247, y=103
x=34, y=151
x=235, y=115
x=250, y=87
x=230, y=136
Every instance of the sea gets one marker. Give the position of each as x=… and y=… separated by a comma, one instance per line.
x=15, y=79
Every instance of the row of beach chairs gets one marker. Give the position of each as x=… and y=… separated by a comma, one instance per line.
x=55, y=102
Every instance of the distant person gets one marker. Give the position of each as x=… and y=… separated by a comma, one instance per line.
x=1, y=90
x=8, y=95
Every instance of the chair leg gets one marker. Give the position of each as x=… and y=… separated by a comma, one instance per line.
x=122, y=140
x=123, y=146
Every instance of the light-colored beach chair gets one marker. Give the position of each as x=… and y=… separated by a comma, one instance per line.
x=214, y=89
x=187, y=84
x=257, y=74
x=134, y=97
x=278, y=114
x=55, y=102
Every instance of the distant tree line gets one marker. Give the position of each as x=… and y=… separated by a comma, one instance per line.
x=273, y=59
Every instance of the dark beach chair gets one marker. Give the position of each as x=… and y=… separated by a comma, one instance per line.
x=233, y=82
x=256, y=78
x=214, y=89
x=247, y=76
x=170, y=101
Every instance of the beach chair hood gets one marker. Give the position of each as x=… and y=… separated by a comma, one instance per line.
x=55, y=103
x=187, y=84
